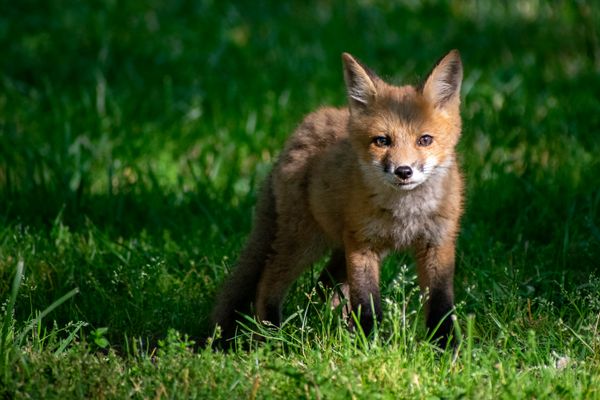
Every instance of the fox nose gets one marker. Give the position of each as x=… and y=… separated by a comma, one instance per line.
x=403, y=172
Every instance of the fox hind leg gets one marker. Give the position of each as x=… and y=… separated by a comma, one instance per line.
x=291, y=257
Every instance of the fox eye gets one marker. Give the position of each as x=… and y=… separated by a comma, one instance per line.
x=425, y=140
x=382, y=141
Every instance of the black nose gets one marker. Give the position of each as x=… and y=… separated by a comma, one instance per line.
x=403, y=172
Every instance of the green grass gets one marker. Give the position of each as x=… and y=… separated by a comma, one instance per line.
x=133, y=138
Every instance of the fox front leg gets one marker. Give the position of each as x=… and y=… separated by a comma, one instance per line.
x=435, y=266
x=363, y=278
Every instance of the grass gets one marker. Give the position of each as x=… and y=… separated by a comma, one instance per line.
x=133, y=137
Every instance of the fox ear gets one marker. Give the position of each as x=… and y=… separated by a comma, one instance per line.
x=442, y=86
x=359, y=83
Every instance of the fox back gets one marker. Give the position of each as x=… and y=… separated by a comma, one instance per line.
x=377, y=176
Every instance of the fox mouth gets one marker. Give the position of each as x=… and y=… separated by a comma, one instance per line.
x=406, y=184
x=402, y=184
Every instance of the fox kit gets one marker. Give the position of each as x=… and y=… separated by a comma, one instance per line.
x=361, y=182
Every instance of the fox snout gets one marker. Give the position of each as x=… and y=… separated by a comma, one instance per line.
x=404, y=176
x=403, y=172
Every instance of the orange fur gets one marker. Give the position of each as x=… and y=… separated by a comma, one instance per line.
x=376, y=177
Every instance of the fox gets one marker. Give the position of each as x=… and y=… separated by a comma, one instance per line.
x=357, y=183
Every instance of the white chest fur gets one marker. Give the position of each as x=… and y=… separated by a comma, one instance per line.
x=401, y=217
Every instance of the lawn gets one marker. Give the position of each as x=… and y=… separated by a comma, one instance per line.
x=134, y=137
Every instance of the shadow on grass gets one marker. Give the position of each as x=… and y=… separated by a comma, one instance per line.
x=144, y=261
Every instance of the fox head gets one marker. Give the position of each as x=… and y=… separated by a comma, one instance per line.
x=404, y=135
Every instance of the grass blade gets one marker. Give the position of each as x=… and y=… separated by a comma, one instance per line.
x=8, y=317
x=47, y=311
